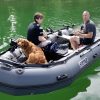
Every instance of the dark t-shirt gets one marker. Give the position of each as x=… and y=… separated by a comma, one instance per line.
x=89, y=27
x=34, y=31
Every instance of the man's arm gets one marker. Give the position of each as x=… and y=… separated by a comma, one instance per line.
x=42, y=38
x=88, y=35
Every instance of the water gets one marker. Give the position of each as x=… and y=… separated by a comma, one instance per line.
x=15, y=16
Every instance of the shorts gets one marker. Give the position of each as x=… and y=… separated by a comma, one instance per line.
x=86, y=41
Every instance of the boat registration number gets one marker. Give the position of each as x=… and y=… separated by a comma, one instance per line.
x=83, y=62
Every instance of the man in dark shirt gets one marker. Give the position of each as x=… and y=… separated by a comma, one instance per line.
x=86, y=34
x=35, y=31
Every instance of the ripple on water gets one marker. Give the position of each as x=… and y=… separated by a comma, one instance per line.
x=12, y=19
x=93, y=91
x=3, y=45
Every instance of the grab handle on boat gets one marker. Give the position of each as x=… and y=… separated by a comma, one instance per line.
x=95, y=55
x=62, y=77
x=8, y=67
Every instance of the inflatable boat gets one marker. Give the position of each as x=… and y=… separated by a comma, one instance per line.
x=18, y=78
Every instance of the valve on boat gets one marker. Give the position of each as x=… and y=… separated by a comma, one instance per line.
x=70, y=29
x=69, y=26
x=66, y=26
x=73, y=25
x=49, y=30
x=59, y=32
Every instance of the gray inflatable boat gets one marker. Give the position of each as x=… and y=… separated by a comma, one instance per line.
x=17, y=78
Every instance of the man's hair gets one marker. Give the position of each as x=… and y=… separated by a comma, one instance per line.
x=38, y=15
x=86, y=12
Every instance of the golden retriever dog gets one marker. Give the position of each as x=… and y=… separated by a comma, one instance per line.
x=34, y=54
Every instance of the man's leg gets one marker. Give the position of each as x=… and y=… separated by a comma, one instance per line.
x=45, y=43
x=74, y=40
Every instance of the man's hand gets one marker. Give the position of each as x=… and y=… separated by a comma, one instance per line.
x=42, y=38
x=77, y=33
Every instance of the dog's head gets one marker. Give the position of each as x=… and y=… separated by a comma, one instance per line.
x=23, y=43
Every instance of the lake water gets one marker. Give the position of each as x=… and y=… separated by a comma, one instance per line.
x=15, y=16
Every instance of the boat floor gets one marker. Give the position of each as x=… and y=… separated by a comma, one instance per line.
x=50, y=57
